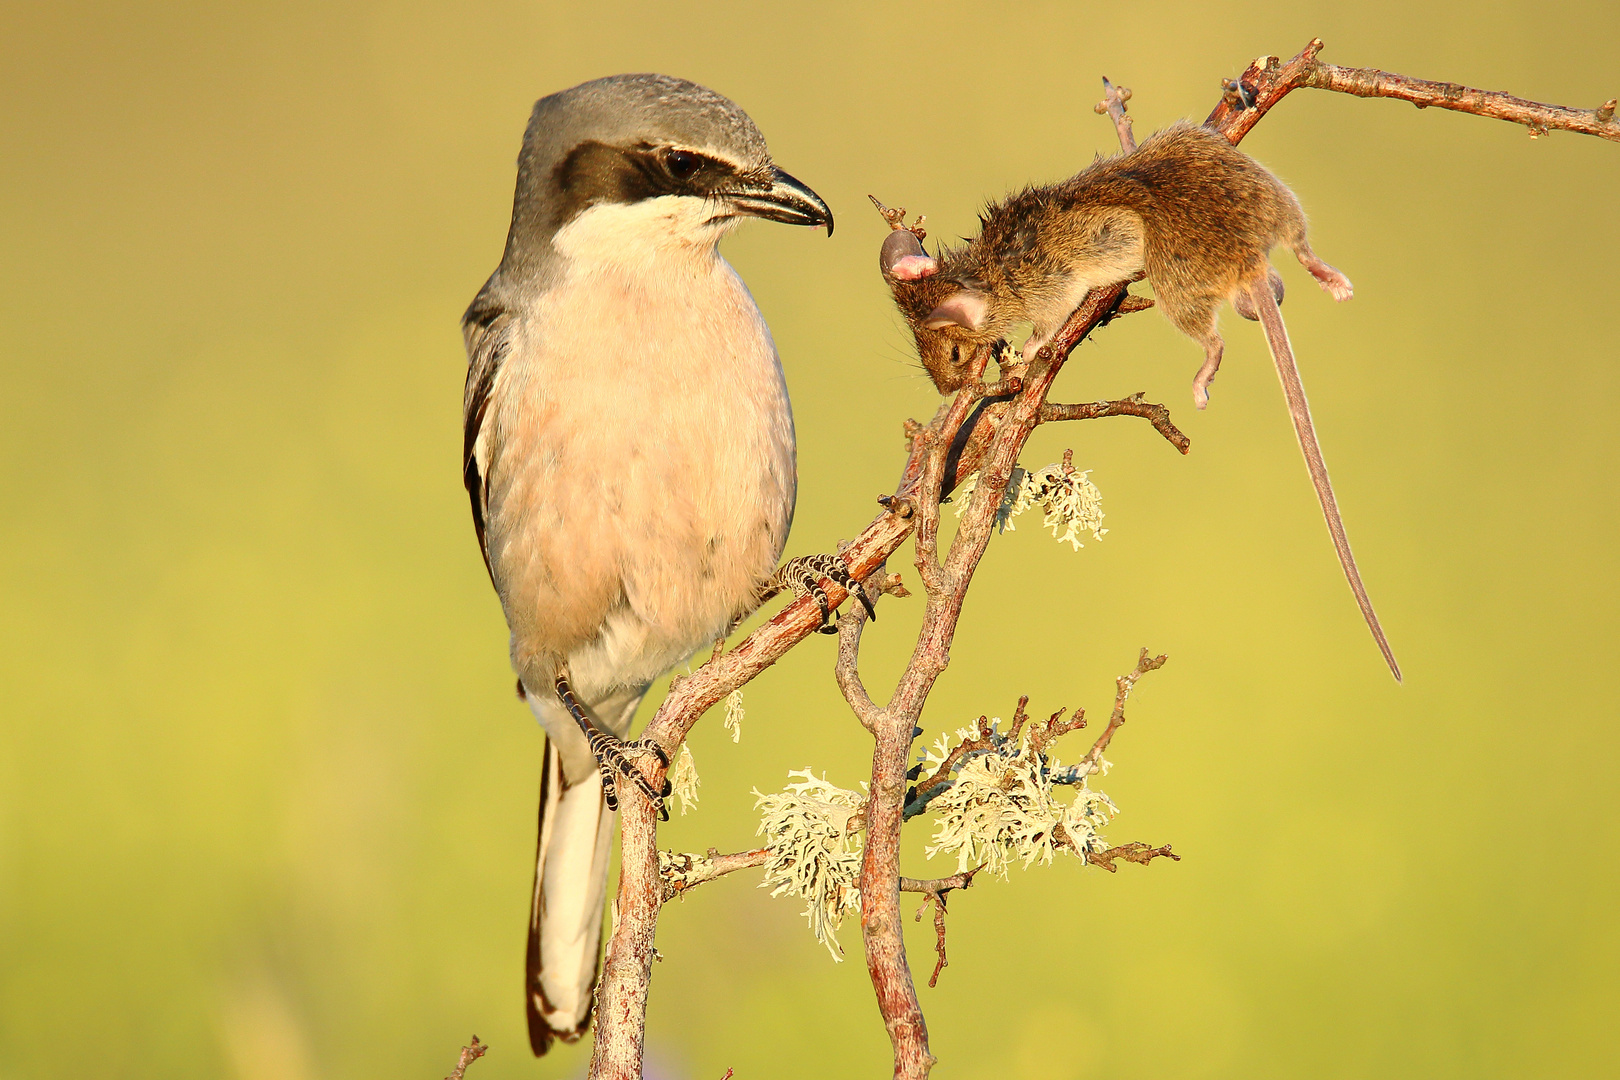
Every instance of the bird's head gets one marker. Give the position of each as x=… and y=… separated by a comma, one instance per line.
x=620, y=165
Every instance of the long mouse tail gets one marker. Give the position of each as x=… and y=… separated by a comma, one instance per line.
x=1265, y=304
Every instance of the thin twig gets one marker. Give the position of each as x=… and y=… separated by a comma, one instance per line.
x=1054, y=728
x=1135, y=851
x=469, y=1054
x=1092, y=762
x=1267, y=81
x=935, y=891
x=683, y=872
x=1155, y=414
x=847, y=667
x=1020, y=717
x=1113, y=103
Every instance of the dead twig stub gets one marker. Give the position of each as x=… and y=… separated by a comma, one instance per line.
x=682, y=872
x=469, y=1054
x=1054, y=728
x=1136, y=852
x=934, y=892
x=941, y=963
x=1113, y=104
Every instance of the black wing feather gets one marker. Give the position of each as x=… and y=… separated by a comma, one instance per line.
x=485, y=329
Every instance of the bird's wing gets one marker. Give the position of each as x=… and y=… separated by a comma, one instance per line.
x=487, y=330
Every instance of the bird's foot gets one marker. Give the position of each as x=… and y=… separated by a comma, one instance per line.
x=613, y=754
x=613, y=759
x=803, y=576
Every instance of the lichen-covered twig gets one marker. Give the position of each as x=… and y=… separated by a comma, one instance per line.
x=1043, y=735
x=469, y=1054
x=682, y=872
x=983, y=740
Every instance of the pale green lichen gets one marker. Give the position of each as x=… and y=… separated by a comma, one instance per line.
x=1002, y=807
x=683, y=779
x=1069, y=501
x=999, y=806
x=734, y=714
x=808, y=827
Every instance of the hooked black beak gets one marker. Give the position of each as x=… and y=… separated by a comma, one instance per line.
x=786, y=200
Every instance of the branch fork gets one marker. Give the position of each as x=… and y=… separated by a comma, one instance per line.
x=981, y=429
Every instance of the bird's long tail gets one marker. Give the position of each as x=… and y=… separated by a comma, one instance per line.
x=1264, y=304
x=565, y=919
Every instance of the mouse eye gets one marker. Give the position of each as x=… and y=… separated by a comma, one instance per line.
x=682, y=164
x=956, y=354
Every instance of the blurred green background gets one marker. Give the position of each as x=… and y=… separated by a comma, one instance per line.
x=266, y=799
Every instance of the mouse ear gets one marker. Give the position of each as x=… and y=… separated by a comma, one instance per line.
x=913, y=267
x=965, y=308
x=902, y=257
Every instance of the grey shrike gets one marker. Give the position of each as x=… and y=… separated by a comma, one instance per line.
x=629, y=452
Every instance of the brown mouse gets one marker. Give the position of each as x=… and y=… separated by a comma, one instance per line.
x=1187, y=208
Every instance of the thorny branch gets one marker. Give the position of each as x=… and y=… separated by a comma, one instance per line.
x=998, y=432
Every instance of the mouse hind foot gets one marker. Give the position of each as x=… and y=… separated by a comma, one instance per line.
x=1333, y=283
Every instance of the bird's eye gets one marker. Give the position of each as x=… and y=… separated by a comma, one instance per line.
x=682, y=164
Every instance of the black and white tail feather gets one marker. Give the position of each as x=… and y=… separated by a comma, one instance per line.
x=575, y=841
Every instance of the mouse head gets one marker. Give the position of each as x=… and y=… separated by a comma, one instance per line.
x=949, y=314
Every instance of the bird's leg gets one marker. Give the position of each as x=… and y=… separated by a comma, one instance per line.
x=802, y=577
x=613, y=753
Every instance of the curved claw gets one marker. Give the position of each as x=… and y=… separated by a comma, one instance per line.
x=860, y=594
x=610, y=753
x=803, y=576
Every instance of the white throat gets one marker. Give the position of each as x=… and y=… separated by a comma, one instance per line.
x=640, y=234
